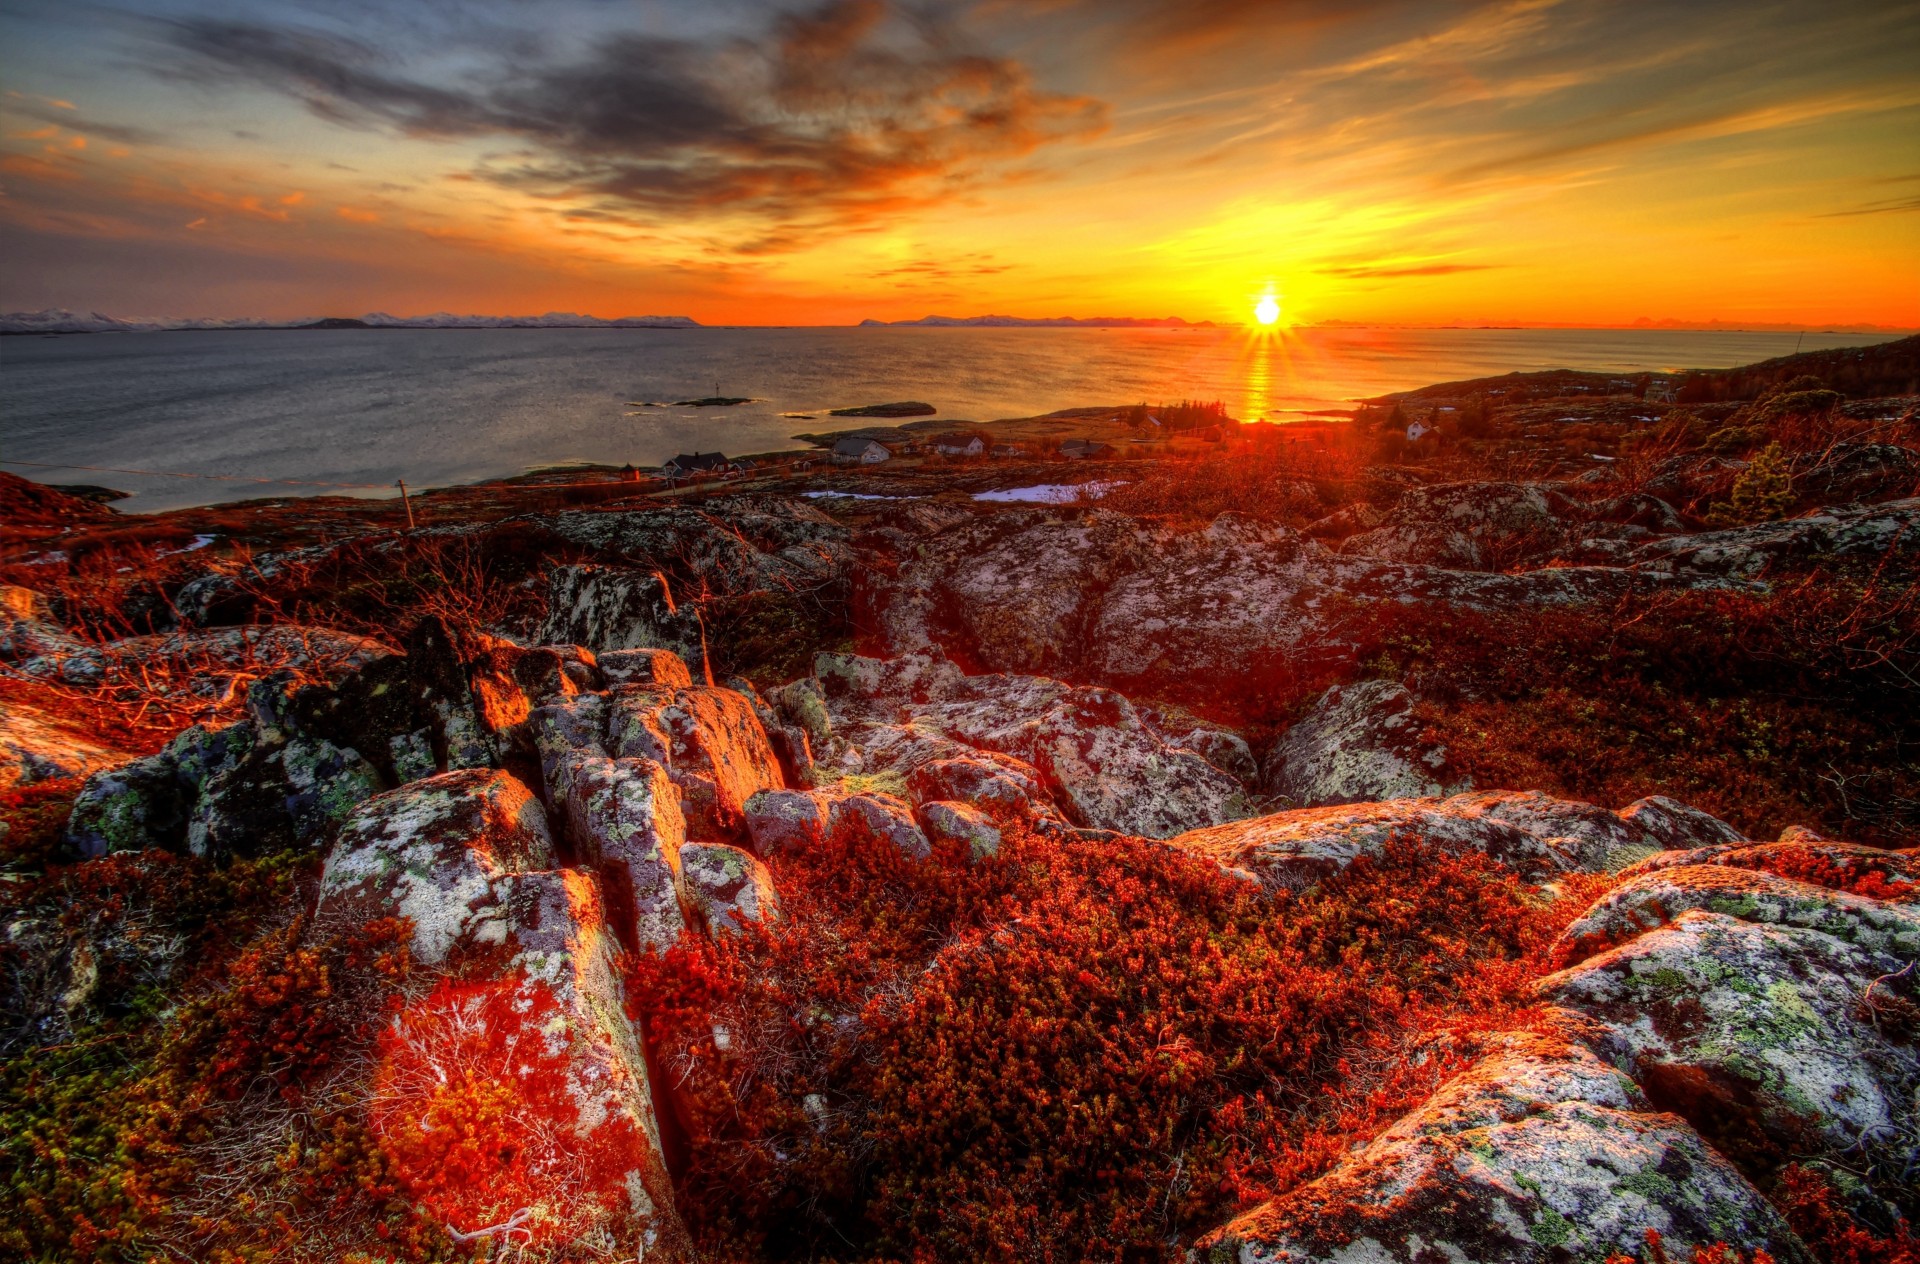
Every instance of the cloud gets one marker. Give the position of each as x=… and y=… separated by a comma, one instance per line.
x=833, y=115
x=1366, y=272
x=1893, y=207
x=64, y=114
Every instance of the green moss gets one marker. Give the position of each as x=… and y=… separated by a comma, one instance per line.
x=1552, y=1228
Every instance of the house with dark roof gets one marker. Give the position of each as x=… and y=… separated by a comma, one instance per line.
x=1084, y=449
x=860, y=452
x=974, y=444
x=688, y=464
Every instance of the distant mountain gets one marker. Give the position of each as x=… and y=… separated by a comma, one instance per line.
x=1049, y=322
x=61, y=321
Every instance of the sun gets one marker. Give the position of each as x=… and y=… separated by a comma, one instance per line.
x=1267, y=310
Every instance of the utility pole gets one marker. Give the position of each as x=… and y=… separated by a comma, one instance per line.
x=406, y=500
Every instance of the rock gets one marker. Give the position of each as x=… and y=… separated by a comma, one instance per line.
x=134, y=807
x=1345, y=521
x=1669, y=823
x=1113, y=772
x=1857, y=531
x=624, y=819
x=1862, y=472
x=437, y=853
x=1535, y=835
x=610, y=608
x=1225, y=750
x=34, y=747
x=1099, y=760
x=526, y=951
x=1467, y=526
x=958, y=823
x=209, y=665
x=1594, y=839
x=1359, y=743
x=1795, y=858
x=779, y=820
x=1637, y=509
x=657, y=669
x=881, y=817
x=1002, y=787
x=1756, y=1031
x=1298, y=848
x=728, y=886
x=1541, y=1152
x=720, y=758
x=1656, y=897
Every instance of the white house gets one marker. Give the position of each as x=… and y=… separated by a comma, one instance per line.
x=1417, y=428
x=959, y=444
x=860, y=452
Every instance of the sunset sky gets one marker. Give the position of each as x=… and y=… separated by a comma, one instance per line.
x=740, y=162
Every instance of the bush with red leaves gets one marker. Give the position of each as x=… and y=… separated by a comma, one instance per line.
x=476, y=1108
x=1075, y=1050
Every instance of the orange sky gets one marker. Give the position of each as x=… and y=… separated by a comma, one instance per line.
x=1520, y=162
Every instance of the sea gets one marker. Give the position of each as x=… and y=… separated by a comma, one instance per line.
x=188, y=418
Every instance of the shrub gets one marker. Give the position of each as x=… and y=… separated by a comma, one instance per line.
x=1762, y=492
x=1073, y=1050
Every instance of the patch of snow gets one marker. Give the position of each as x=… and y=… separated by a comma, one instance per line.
x=199, y=542
x=1052, y=493
x=853, y=496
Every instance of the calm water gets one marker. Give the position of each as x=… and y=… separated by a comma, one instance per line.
x=445, y=406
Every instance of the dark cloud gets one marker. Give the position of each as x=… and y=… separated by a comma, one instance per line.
x=1893, y=207
x=831, y=115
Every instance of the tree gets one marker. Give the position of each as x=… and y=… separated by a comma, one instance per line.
x=1763, y=492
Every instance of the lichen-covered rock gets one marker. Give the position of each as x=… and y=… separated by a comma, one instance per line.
x=1795, y=858
x=1668, y=823
x=1001, y=786
x=782, y=820
x=136, y=806
x=1592, y=838
x=878, y=816
x=1654, y=898
x=1090, y=752
x=1297, y=848
x=727, y=886
x=1158, y=611
x=34, y=747
x=960, y=823
x=658, y=669
x=437, y=852
x=1752, y=1029
x=1113, y=772
x=1358, y=744
x=716, y=738
x=530, y=1010
x=1466, y=526
x=1748, y=552
x=1539, y=1153
x=624, y=819
x=618, y=608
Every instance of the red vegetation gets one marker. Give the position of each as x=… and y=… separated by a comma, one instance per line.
x=1072, y=1051
x=219, y=1128
x=33, y=820
x=1859, y=875
x=1810, y=1203
x=477, y=1108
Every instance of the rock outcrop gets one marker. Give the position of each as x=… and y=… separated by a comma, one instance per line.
x=1147, y=609
x=468, y=859
x=1468, y=526
x=1359, y=743
x=1539, y=1152
x=1027, y=744
x=1534, y=834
